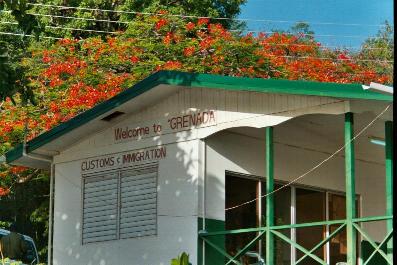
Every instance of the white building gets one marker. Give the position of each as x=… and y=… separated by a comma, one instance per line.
x=153, y=171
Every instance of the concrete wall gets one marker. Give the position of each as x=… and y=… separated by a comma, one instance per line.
x=177, y=216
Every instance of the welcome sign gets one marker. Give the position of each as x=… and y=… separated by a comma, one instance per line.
x=173, y=124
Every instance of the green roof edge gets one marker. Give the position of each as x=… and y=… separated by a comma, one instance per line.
x=351, y=91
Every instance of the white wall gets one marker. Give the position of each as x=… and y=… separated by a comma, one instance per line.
x=243, y=154
x=181, y=173
x=177, y=216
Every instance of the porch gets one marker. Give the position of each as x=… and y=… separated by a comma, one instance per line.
x=316, y=189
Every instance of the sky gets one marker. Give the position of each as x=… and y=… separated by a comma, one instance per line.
x=368, y=14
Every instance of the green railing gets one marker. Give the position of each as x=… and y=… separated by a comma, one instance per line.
x=274, y=230
x=351, y=223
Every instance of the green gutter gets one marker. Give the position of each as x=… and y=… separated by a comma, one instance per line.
x=349, y=91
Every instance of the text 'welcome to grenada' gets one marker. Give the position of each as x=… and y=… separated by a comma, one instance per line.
x=174, y=124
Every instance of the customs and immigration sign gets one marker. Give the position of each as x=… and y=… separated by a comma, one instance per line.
x=124, y=159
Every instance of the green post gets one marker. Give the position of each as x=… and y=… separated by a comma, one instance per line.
x=350, y=190
x=389, y=182
x=269, y=199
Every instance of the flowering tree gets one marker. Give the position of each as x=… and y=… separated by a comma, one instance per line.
x=72, y=76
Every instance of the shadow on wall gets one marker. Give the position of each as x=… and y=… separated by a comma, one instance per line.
x=177, y=209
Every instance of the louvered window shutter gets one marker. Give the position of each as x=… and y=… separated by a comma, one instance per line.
x=138, y=211
x=120, y=204
x=100, y=203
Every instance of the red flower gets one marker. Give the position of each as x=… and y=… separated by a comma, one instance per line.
x=343, y=56
x=172, y=65
x=206, y=43
x=4, y=191
x=190, y=26
x=168, y=38
x=203, y=21
x=189, y=51
x=134, y=59
x=161, y=23
x=18, y=169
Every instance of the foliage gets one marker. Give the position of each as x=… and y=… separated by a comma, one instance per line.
x=74, y=75
x=379, y=51
x=27, y=206
x=91, y=16
x=7, y=261
x=182, y=259
x=12, y=71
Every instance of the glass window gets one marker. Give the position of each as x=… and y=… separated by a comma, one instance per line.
x=282, y=216
x=337, y=211
x=310, y=207
x=240, y=190
x=30, y=256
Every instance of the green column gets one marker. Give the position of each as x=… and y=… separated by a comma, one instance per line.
x=389, y=182
x=350, y=189
x=269, y=199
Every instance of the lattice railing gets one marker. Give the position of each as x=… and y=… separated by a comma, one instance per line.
x=261, y=232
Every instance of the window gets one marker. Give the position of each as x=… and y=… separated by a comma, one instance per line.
x=120, y=204
x=310, y=207
x=293, y=204
x=240, y=189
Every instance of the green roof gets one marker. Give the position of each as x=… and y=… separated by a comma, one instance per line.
x=277, y=86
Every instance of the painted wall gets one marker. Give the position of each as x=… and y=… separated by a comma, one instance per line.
x=181, y=173
x=177, y=216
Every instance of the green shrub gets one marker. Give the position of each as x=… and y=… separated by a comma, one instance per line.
x=182, y=259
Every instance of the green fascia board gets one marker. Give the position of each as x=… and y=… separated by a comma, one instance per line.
x=348, y=91
x=14, y=154
x=278, y=86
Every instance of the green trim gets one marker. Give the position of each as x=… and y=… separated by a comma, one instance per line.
x=298, y=247
x=373, y=218
x=389, y=181
x=210, y=237
x=322, y=243
x=379, y=250
x=350, y=189
x=368, y=250
x=373, y=244
x=246, y=248
x=302, y=225
x=14, y=154
x=269, y=198
x=221, y=252
x=348, y=91
x=278, y=86
x=213, y=245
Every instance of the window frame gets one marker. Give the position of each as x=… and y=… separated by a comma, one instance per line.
x=293, y=187
x=118, y=173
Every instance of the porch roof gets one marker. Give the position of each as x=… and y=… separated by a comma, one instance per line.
x=157, y=86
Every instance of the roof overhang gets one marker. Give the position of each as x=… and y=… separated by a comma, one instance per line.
x=155, y=88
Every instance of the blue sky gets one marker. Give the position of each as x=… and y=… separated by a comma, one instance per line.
x=367, y=13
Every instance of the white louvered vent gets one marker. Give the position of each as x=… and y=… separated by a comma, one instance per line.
x=120, y=204
x=138, y=211
x=100, y=203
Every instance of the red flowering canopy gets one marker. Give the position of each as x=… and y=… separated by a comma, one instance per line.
x=72, y=76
